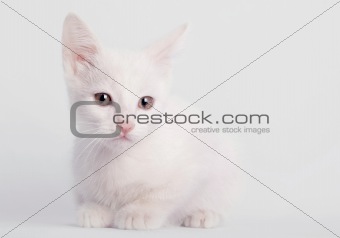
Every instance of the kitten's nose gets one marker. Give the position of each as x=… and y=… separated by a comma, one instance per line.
x=126, y=127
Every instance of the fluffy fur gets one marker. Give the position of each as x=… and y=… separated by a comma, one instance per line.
x=169, y=178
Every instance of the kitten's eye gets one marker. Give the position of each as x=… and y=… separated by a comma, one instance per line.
x=103, y=98
x=145, y=102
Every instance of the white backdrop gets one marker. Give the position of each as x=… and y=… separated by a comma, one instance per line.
x=297, y=84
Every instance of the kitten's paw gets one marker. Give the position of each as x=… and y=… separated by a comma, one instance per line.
x=202, y=219
x=136, y=220
x=94, y=215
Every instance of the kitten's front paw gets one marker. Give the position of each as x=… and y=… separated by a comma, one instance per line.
x=136, y=220
x=202, y=219
x=94, y=215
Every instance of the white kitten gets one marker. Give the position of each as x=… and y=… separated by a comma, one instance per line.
x=167, y=178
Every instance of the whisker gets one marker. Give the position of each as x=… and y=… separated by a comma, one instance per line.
x=85, y=147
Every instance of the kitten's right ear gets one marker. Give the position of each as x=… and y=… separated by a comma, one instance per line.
x=80, y=47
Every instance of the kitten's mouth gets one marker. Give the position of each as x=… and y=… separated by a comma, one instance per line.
x=124, y=137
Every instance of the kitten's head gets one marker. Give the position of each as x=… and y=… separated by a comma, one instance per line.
x=137, y=81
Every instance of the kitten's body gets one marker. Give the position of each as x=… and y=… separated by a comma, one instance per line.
x=138, y=182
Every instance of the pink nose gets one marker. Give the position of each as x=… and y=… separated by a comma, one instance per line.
x=126, y=127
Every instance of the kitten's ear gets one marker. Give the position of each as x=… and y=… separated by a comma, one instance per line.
x=80, y=47
x=163, y=50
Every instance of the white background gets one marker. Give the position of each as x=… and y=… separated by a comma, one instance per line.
x=297, y=84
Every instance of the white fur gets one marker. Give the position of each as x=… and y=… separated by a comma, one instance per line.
x=167, y=178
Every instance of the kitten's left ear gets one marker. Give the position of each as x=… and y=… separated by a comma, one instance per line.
x=163, y=50
x=80, y=47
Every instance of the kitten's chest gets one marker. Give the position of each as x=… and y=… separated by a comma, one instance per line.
x=141, y=170
x=120, y=182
